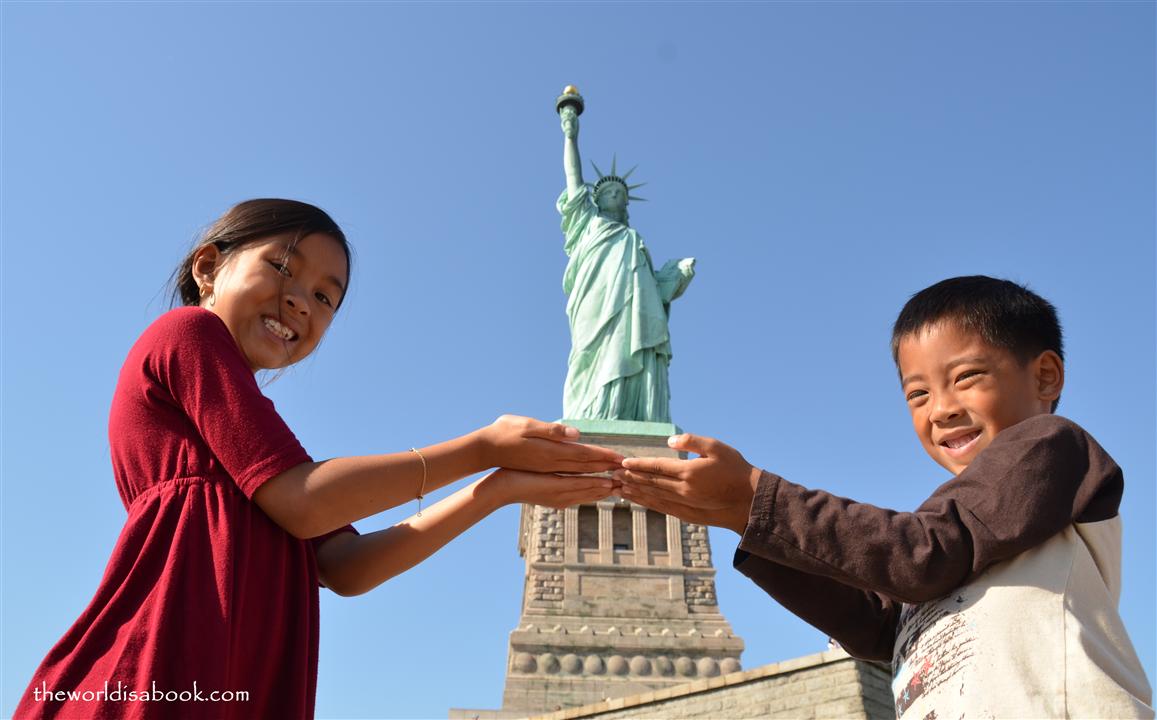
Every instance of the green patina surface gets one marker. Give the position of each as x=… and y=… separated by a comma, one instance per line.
x=618, y=304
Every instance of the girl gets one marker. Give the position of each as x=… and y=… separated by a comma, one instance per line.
x=209, y=604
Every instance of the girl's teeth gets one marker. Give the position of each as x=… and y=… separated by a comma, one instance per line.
x=279, y=329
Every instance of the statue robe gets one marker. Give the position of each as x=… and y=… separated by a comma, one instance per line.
x=618, y=308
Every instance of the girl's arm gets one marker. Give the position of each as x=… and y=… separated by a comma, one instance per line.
x=352, y=564
x=315, y=498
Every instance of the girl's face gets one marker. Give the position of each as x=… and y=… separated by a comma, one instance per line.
x=277, y=301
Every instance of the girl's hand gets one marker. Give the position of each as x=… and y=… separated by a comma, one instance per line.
x=507, y=486
x=524, y=443
x=715, y=488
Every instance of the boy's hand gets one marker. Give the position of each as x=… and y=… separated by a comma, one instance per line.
x=715, y=488
x=557, y=491
x=524, y=443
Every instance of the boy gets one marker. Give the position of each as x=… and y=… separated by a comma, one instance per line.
x=998, y=596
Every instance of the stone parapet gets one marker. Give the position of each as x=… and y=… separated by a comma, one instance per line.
x=825, y=685
x=830, y=684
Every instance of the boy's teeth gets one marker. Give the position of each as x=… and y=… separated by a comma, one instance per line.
x=960, y=442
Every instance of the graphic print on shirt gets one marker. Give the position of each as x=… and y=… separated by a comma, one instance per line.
x=936, y=645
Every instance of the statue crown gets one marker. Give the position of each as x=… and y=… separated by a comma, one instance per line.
x=614, y=177
x=609, y=179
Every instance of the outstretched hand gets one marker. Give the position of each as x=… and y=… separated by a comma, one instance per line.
x=523, y=443
x=556, y=491
x=715, y=488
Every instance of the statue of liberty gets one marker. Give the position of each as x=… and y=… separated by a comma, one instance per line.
x=617, y=304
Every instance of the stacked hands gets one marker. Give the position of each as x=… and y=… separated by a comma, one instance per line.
x=715, y=488
x=533, y=455
x=543, y=464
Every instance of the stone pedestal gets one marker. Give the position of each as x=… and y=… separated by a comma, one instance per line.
x=619, y=600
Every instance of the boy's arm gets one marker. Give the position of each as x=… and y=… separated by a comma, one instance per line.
x=717, y=489
x=863, y=622
x=1035, y=478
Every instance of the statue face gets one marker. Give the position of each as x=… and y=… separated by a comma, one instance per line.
x=612, y=197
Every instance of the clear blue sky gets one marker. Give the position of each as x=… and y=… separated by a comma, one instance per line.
x=822, y=162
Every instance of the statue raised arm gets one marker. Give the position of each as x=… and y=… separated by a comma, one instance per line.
x=571, y=162
x=618, y=305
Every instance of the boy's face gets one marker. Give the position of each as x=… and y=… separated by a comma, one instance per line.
x=962, y=391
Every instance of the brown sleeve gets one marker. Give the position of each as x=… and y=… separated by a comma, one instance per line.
x=863, y=622
x=1035, y=478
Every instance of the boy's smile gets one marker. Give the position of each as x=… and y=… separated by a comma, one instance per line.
x=962, y=391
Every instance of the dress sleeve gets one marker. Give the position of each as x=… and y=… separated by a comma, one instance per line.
x=196, y=359
x=1035, y=479
x=320, y=539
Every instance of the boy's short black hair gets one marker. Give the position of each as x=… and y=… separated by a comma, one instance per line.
x=1005, y=314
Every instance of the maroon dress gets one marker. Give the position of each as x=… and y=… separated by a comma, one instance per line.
x=207, y=608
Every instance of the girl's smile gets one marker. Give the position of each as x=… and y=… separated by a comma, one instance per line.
x=279, y=330
x=277, y=297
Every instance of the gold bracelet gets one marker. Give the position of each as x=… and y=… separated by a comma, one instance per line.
x=422, y=489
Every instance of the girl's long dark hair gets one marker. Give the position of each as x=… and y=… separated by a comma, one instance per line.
x=248, y=222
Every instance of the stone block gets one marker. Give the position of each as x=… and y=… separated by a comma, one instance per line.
x=777, y=705
x=819, y=682
x=840, y=709
x=794, y=713
x=732, y=701
x=838, y=692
